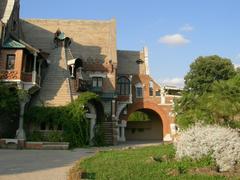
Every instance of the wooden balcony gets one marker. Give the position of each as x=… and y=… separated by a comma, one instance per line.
x=26, y=76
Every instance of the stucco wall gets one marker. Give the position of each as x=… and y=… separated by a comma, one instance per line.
x=127, y=62
x=90, y=39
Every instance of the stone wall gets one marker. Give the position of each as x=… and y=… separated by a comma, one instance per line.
x=90, y=39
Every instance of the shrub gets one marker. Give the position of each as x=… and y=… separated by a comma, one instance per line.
x=54, y=136
x=138, y=116
x=35, y=136
x=9, y=111
x=222, y=143
x=98, y=139
x=76, y=127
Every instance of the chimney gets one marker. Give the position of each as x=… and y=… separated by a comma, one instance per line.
x=145, y=51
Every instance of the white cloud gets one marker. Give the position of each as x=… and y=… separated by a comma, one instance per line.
x=174, y=39
x=187, y=28
x=177, y=81
x=237, y=57
x=236, y=65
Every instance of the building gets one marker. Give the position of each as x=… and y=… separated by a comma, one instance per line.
x=55, y=60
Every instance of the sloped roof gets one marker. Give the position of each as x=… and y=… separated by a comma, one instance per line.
x=12, y=44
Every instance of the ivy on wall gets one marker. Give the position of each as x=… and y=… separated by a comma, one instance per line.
x=76, y=127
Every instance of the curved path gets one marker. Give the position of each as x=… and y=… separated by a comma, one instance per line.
x=47, y=164
x=39, y=164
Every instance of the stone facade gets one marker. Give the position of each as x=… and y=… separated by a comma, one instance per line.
x=82, y=56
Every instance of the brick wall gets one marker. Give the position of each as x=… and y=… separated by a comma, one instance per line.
x=16, y=72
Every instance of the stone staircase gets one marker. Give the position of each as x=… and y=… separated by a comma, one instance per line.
x=108, y=132
x=55, y=90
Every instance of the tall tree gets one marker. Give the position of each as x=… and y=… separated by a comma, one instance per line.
x=204, y=72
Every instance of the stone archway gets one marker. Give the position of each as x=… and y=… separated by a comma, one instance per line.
x=91, y=115
x=95, y=113
x=139, y=129
x=158, y=109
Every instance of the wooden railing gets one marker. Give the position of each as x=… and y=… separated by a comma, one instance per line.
x=26, y=76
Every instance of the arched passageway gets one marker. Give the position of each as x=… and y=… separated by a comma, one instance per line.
x=95, y=114
x=151, y=129
x=156, y=129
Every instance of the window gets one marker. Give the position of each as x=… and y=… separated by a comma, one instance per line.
x=97, y=82
x=123, y=86
x=10, y=61
x=158, y=93
x=150, y=88
x=139, y=90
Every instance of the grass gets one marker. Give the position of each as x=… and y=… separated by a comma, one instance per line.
x=149, y=163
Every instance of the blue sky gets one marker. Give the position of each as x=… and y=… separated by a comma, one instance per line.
x=176, y=32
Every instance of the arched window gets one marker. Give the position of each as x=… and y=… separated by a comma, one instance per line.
x=150, y=88
x=123, y=86
x=139, y=90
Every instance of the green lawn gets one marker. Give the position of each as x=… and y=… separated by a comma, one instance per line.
x=147, y=163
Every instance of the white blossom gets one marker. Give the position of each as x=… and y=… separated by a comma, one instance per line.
x=222, y=143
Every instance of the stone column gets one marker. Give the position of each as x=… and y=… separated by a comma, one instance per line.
x=122, y=126
x=118, y=133
x=39, y=72
x=92, y=125
x=72, y=73
x=34, y=73
x=113, y=108
x=163, y=99
x=130, y=89
x=92, y=117
x=20, y=134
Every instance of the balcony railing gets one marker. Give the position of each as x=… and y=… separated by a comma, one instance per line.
x=27, y=76
x=96, y=89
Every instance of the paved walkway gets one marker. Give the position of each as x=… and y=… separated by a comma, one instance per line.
x=46, y=164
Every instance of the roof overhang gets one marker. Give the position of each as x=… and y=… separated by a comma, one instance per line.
x=13, y=43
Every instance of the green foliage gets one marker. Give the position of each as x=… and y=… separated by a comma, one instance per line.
x=54, y=136
x=71, y=117
x=211, y=93
x=98, y=139
x=205, y=70
x=9, y=111
x=146, y=163
x=138, y=116
x=182, y=169
x=8, y=99
x=35, y=136
x=51, y=136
